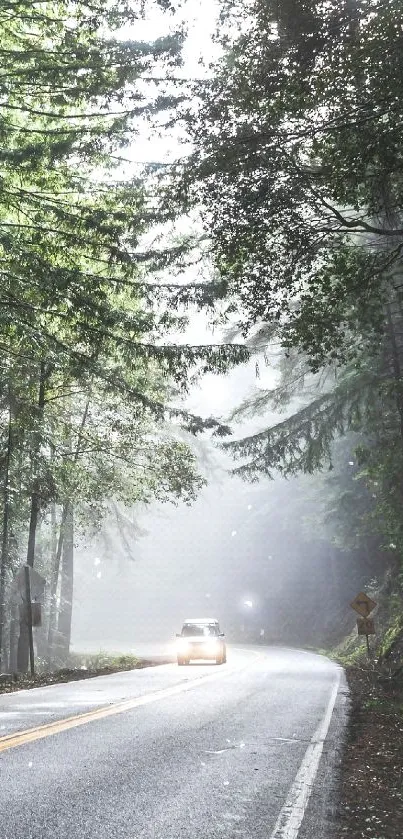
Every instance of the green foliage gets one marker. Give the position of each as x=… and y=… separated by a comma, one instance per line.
x=303, y=441
x=103, y=661
x=393, y=634
x=297, y=166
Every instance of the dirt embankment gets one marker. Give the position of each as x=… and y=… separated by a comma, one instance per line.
x=371, y=800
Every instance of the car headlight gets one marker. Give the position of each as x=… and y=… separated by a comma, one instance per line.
x=182, y=644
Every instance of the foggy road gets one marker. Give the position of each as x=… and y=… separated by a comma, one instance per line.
x=177, y=753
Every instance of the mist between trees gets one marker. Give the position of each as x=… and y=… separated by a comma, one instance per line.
x=297, y=165
x=294, y=180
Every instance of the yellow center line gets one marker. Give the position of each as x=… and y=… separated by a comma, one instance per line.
x=19, y=738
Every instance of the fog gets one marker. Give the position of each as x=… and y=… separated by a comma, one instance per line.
x=187, y=559
x=239, y=552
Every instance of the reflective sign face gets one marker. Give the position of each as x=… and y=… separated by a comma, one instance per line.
x=363, y=604
x=365, y=626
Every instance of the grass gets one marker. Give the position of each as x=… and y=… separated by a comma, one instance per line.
x=348, y=653
x=389, y=705
x=102, y=661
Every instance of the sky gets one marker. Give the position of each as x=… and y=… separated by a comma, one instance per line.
x=199, y=20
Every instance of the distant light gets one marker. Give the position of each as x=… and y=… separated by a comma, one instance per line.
x=208, y=595
x=248, y=603
x=99, y=575
x=97, y=561
x=393, y=546
x=250, y=506
x=351, y=462
x=233, y=533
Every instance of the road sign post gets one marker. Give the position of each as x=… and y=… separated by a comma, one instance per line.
x=18, y=585
x=29, y=618
x=365, y=624
x=26, y=593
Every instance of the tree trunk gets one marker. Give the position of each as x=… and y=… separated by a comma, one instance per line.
x=396, y=367
x=4, y=540
x=54, y=582
x=66, y=513
x=23, y=642
x=66, y=584
x=35, y=497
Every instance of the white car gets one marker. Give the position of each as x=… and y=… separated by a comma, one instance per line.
x=201, y=638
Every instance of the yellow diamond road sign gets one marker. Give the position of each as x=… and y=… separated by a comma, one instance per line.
x=363, y=604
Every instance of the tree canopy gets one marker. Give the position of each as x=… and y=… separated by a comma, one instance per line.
x=297, y=167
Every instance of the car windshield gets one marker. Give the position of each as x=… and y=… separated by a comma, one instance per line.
x=199, y=629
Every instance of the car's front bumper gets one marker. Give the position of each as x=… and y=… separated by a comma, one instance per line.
x=200, y=651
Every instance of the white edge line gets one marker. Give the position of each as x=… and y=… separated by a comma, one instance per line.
x=293, y=810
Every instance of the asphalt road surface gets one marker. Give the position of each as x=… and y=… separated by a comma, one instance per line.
x=246, y=749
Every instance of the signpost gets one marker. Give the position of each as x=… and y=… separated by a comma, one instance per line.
x=29, y=618
x=36, y=610
x=27, y=589
x=365, y=624
x=37, y=583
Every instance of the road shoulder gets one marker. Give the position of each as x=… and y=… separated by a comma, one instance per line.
x=322, y=812
x=11, y=682
x=371, y=792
